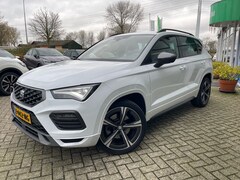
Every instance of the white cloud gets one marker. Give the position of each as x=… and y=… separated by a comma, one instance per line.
x=89, y=15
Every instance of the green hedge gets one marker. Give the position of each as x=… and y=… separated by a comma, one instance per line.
x=20, y=51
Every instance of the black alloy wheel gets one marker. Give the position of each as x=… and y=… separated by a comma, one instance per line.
x=7, y=82
x=123, y=128
x=204, y=93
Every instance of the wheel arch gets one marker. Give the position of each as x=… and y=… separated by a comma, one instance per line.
x=208, y=75
x=10, y=70
x=135, y=97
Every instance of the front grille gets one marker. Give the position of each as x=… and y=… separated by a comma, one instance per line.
x=35, y=123
x=68, y=120
x=28, y=96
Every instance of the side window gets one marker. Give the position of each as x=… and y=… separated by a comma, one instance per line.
x=164, y=44
x=67, y=53
x=74, y=54
x=199, y=46
x=187, y=46
x=34, y=52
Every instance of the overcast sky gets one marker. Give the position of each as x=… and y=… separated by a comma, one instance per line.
x=89, y=14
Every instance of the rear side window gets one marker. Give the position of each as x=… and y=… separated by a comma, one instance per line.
x=74, y=54
x=188, y=46
x=164, y=44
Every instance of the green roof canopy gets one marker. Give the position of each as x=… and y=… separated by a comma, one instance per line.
x=225, y=13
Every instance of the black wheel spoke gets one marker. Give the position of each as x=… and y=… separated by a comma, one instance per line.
x=126, y=139
x=5, y=80
x=133, y=125
x=6, y=87
x=107, y=122
x=110, y=138
x=123, y=114
x=207, y=95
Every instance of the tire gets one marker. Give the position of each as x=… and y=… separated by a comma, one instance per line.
x=7, y=82
x=123, y=129
x=204, y=93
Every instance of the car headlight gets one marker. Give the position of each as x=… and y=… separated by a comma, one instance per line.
x=46, y=61
x=79, y=93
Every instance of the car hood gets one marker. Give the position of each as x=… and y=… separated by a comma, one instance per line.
x=55, y=58
x=10, y=59
x=70, y=73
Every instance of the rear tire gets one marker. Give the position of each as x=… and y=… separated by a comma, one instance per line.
x=123, y=128
x=204, y=93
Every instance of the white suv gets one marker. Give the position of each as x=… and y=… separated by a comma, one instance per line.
x=115, y=87
x=10, y=69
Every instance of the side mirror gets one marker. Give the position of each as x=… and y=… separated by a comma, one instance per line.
x=165, y=58
x=36, y=56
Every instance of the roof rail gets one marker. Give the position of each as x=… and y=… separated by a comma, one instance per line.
x=164, y=30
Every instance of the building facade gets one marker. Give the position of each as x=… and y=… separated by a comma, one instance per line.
x=225, y=16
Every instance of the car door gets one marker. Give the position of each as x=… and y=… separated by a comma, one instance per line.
x=27, y=59
x=190, y=52
x=167, y=81
x=35, y=59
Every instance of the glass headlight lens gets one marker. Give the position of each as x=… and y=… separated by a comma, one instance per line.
x=46, y=61
x=79, y=93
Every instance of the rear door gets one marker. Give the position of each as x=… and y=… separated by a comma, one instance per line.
x=190, y=50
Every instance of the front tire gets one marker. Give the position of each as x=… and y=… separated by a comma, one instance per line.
x=123, y=128
x=204, y=93
x=7, y=82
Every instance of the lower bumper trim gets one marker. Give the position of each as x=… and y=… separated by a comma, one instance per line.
x=34, y=133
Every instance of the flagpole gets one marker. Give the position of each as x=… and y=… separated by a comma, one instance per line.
x=25, y=22
x=149, y=18
x=198, y=18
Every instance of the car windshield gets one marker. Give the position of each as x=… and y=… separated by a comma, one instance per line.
x=48, y=52
x=4, y=53
x=118, y=48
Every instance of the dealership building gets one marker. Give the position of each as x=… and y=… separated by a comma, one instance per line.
x=225, y=16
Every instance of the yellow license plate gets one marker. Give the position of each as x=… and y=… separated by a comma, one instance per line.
x=23, y=115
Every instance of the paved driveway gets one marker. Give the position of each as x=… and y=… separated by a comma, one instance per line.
x=185, y=143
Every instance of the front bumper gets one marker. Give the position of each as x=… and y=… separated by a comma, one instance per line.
x=54, y=136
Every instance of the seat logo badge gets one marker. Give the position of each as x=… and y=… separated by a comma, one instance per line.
x=22, y=92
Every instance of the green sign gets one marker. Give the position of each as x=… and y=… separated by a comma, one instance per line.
x=225, y=11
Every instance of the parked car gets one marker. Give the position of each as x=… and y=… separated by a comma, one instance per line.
x=108, y=95
x=10, y=69
x=73, y=53
x=37, y=57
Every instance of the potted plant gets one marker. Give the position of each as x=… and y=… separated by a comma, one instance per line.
x=216, y=65
x=228, y=77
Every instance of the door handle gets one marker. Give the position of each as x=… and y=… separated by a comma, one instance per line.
x=203, y=62
x=182, y=68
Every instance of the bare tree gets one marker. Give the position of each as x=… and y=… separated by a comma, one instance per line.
x=82, y=38
x=72, y=36
x=14, y=35
x=46, y=25
x=8, y=35
x=123, y=17
x=90, y=38
x=101, y=35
